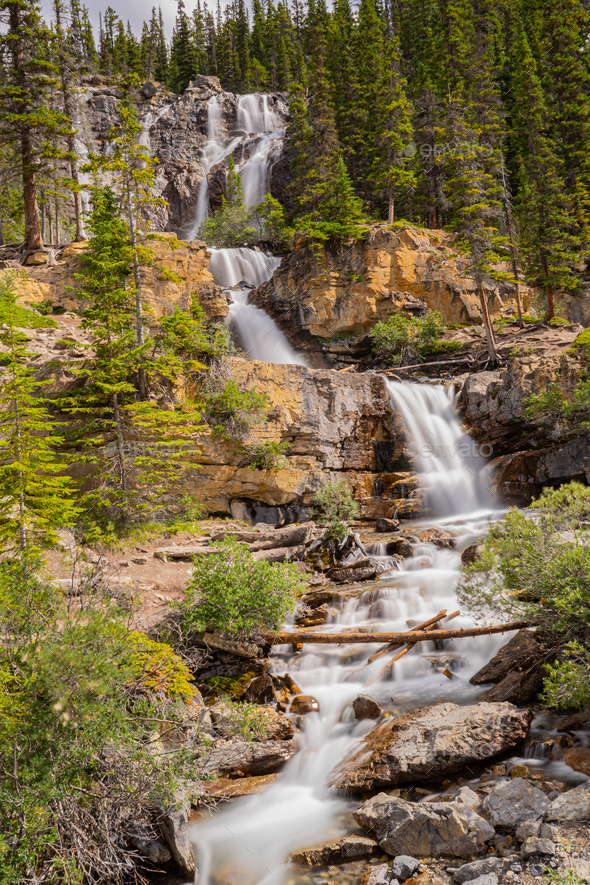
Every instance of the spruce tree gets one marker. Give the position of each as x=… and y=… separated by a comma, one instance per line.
x=35, y=493
x=27, y=120
x=182, y=52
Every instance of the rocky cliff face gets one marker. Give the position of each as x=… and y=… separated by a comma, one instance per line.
x=55, y=284
x=336, y=425
x=344, y=290
x=175, y=130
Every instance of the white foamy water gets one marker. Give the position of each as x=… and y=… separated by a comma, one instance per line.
x=250, y=842
x=149, y=121
x=254, y=331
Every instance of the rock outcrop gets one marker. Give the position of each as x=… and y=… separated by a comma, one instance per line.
x=429, y=744
x=179, y=273
x=344, y=290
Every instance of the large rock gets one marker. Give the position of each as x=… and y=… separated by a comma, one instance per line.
x=578, y=758
x=331, y=290
x=511, y=802
x=428, y=829
x=258, y=757
x=519, y=652
x=430, y=743
x=477, y=868
x=173, y=823
x=571, y=806
x=345, y=850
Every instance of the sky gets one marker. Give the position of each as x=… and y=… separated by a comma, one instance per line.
x=137, y=11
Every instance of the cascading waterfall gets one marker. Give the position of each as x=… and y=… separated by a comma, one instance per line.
x=257, y=334
x=449, y=461
x=148, y=123
x=250, y=842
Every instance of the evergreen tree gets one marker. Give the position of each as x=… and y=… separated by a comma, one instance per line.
x=27, y=120
x=35, y=495
x=182, y=53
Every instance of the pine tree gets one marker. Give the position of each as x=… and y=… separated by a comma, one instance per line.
x=182, y=53
x=35, y=495
x=27, y=120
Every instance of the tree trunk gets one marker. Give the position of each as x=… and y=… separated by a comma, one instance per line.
x=391, y=212
x=69, y=112
x=508, y=211
x=493, y=353
x=57, y=234
x=33, y=239
x=549, y=292
x=137, y=279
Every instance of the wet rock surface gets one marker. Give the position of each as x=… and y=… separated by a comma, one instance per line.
x=255, y=758
x=430, y=743
x=366, y=707
x=345, y=849
x=513, y=801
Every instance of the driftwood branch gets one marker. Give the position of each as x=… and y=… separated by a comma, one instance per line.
x=414, y=636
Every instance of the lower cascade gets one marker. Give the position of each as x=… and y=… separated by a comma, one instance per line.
x=255, y=332
x=251, y=842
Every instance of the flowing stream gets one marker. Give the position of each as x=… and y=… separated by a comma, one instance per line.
x=249, y=843
x=253, y=330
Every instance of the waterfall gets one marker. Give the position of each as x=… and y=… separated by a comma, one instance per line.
x=255, y=332
x=148, y=123
x=251, y=841
x=214, y=151
x=255, y=116
x=448, y=460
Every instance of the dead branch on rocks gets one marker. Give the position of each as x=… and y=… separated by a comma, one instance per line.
x=416, y=636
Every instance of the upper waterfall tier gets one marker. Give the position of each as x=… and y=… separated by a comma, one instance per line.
x=193, y=136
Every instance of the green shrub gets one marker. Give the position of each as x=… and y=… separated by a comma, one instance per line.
x=24, y=318
x=335, y=507
x=232, y=411
x=265, y=455
x=570, y=416
x=405, y=338
x=535, y=564
x=229, y=591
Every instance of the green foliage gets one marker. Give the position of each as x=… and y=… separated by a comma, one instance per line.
x=265, y=455
x=80, y=700
x=242, y=720
x=535, y=564
x=21, y=317
x=232, y=411
x=236, y=224
x=229, y=591
x=405, y=338
x=565, y=414
x=335, y=507
x=35, y=496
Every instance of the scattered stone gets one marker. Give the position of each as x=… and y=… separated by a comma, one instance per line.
x=151, y=849
x=430, y=743
x=402, y=546
x=536, y=870
x=548, y=832
x=362, y=570
x=139, y=560
x=366, y=707
x=404, y=866
x=519, y=771
x=387, y=525
x=255, y=757
x=510, y=802
x=468, y=797
x=532, y=847
x=184, y=554
x=430, y=829
x=471, y=554
x=260, y=690
x=149, y=89
x=578, y=758
x=477, y=868
x=572, y=805
x=499, y=770
x=343, y=851
x=304, y=703
x=487, y=879
x=528, y=830
x=377, y=875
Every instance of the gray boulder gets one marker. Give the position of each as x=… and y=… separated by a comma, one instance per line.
x=479, y=868
x=533, y=846
x=430, y=829
x=377, y=875
x=486, y=879
x=572, y=805
x=511, y=802
x=403, y=866
x=430, y=743
x=152, y=849
x=529, y=829
x=257, y=757
x=174, y=826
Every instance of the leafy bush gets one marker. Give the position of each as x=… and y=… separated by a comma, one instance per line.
x=80, y=699
x=232, y=411
x=535, y=564
x=242, y=719
x=569, y=417
x=265, y=455
x=190, y=342
x=405, y=338
x=22, y=317
x=229, y=591
x=335, y=508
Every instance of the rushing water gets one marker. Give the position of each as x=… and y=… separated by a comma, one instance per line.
x=148, y=123
x=253, y=330
x=251, y=841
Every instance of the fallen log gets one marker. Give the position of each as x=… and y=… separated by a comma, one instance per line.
x=424, y=626
x=417, y=636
